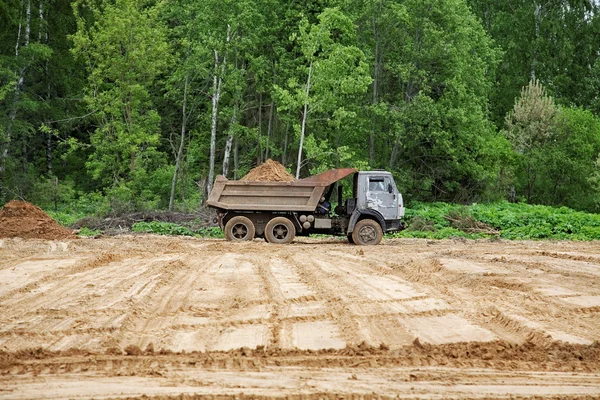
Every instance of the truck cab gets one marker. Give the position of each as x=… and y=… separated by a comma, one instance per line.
x=376, y=198
x=376, y=190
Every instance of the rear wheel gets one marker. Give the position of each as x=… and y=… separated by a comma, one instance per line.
x=239, y=229
x=280, y=230
x=367, y=232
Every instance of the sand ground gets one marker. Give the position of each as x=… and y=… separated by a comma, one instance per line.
x=133, y=316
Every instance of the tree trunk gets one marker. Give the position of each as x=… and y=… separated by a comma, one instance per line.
x=217, y=83
x=304, y=115
x=41, y=22
x=229, y=143
x=375, y=99
x=269, y=130
x=43, y=33
x=394, y=154
x=18, y=89
x=181, y=143
x=213, y=131
x=259, y=155
x=236, y=164
x=538, y=17
x=285, y=144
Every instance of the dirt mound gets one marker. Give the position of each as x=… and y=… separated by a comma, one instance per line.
x=269, y=171
x=23, y=219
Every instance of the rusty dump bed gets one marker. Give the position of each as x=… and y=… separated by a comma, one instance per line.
x=301, y=195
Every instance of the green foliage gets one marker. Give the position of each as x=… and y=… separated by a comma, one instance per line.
x=87, y=232
x=513, y=221
x=556, y=149
x=65, y=217
x=443, y=63
x=125, y=49
x=168, y=228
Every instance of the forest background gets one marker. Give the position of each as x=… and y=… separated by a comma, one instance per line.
x=124, y=105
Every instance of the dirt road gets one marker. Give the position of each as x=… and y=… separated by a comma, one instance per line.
x=130, y=316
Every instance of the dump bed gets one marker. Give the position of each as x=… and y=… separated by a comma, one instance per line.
x=300, y=195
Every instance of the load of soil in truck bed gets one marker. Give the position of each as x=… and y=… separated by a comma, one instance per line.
x=24, y=220
x=269, y=171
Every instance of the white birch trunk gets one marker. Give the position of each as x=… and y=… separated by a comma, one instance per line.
x=538, y=17
x=259, y=128
x=181, y=143
x=229, y=143
x=217, y=83
x=43, y=34
x=19, y=87
x=236, y=163
x=375, y=88
x=285, y=145
x=269, y=130
x=304, y=115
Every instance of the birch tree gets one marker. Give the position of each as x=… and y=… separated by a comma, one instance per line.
x=332, y=70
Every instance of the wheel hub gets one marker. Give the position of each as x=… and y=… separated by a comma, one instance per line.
x=280, y=231
x=367, y=234
x=239, y=231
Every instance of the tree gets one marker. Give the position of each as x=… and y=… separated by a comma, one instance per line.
x=529, y=127
x=331, y=67
x=124, y=47
x=24, y=50
x=570, y=161
x=441, y=68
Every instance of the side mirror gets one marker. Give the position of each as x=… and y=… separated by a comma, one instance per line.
x=390, y=189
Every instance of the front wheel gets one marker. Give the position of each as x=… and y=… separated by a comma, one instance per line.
x=367, y=232
x=280, y=230
x=239, y=229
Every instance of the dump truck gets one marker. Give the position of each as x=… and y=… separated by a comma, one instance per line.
x=280, y=211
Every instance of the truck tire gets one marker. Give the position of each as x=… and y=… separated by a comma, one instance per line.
x=280, y=230
x=367, y=232
x=239, y=229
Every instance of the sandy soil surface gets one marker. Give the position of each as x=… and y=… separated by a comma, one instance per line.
x=134, y=316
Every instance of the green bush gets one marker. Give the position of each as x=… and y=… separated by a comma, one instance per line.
x=169, y=228
x=513, y=221
x=87, y=232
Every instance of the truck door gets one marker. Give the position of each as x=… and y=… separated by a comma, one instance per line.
x=383, y=196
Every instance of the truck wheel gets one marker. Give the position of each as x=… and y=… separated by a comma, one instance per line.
x=280, y=230
x=367, y=232
x=239, y=229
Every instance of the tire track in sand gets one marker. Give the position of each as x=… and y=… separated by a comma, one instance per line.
x=342, y=293
x=500, y=302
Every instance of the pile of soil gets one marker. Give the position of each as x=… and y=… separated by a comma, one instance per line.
x=269, y=171
x=24, y=220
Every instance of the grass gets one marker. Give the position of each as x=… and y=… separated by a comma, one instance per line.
x=169, y=228
x=511, y=221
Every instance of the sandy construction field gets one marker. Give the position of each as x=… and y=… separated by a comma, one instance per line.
x=134, y=316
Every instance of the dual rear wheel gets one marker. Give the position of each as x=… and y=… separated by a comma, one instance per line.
x=279, y=230
x=239, y=228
